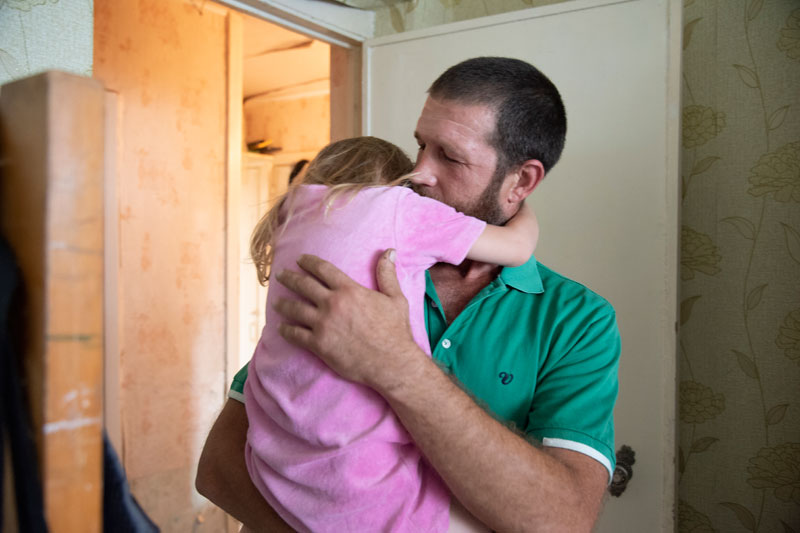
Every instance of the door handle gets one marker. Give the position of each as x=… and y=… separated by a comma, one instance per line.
x=623, y=471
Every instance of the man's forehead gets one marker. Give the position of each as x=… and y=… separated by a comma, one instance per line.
x=454, y=123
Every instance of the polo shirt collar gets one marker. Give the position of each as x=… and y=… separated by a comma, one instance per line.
x=524, y=278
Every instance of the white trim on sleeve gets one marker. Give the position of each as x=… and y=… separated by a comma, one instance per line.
x=235, y=395
x=581, y=448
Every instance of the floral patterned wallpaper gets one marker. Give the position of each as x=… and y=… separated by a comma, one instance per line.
x=37, y=35
x=739, y=360
x=739, y=392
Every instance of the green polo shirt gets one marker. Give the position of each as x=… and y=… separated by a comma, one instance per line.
x=538, y=350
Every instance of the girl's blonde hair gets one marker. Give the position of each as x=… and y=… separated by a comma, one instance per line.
x=345, y=166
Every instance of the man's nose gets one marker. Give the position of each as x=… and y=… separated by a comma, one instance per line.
x=422, y=177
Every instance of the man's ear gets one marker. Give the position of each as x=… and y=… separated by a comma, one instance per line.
x=524, y=180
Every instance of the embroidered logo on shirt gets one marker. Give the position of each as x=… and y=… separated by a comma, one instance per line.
x=505, y=377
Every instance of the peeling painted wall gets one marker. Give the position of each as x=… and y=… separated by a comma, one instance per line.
x=167, y=62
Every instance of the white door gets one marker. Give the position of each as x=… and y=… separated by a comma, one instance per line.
x=609, y=209
x=255, y=195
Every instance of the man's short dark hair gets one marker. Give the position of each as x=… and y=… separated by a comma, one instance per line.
x=531, y=121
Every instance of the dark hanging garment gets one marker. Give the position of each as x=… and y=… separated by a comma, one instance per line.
x=14, y=422
x=121, y=511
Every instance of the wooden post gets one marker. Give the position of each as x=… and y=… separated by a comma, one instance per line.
x=345, y=92
x=51, y=212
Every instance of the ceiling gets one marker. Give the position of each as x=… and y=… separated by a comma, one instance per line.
x=277, y=61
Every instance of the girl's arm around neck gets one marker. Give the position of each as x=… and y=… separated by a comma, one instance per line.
x=510, y=245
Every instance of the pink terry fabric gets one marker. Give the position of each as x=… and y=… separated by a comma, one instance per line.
x=330, y=455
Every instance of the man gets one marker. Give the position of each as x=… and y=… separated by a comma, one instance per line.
x=539, y=352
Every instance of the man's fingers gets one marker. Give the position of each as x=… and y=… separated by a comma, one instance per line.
x=303, y=285
x=386, y=274
x=324, y=271
x=297, y=335
x=297, y=311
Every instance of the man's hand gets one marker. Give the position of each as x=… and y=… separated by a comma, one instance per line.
x=363, y=335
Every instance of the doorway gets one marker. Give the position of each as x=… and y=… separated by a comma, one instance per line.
x=285, y=119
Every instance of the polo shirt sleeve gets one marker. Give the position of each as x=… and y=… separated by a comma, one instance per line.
x=428, y=231
x=236, y=391
x=577, y=387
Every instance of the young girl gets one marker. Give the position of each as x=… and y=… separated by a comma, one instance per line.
x=326, y=453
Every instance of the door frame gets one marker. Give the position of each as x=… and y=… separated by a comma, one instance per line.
x=345, y=29
x=339, y=25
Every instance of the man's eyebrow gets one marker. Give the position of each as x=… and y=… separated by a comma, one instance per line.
x=454, y=150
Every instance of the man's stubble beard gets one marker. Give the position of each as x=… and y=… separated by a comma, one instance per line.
x=486, y=207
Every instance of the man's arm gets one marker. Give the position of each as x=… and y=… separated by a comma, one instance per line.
x=222, y=475
x=499, y=477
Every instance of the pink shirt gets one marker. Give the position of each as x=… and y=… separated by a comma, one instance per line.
x=326, y=453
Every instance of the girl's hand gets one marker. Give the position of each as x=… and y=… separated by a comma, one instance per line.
x=525, y=221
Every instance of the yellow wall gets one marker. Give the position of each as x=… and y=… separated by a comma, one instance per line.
x=296, y=125
x=167, y=62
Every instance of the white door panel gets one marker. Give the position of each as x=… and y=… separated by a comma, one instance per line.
x=608, y=210
x=254, y=198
